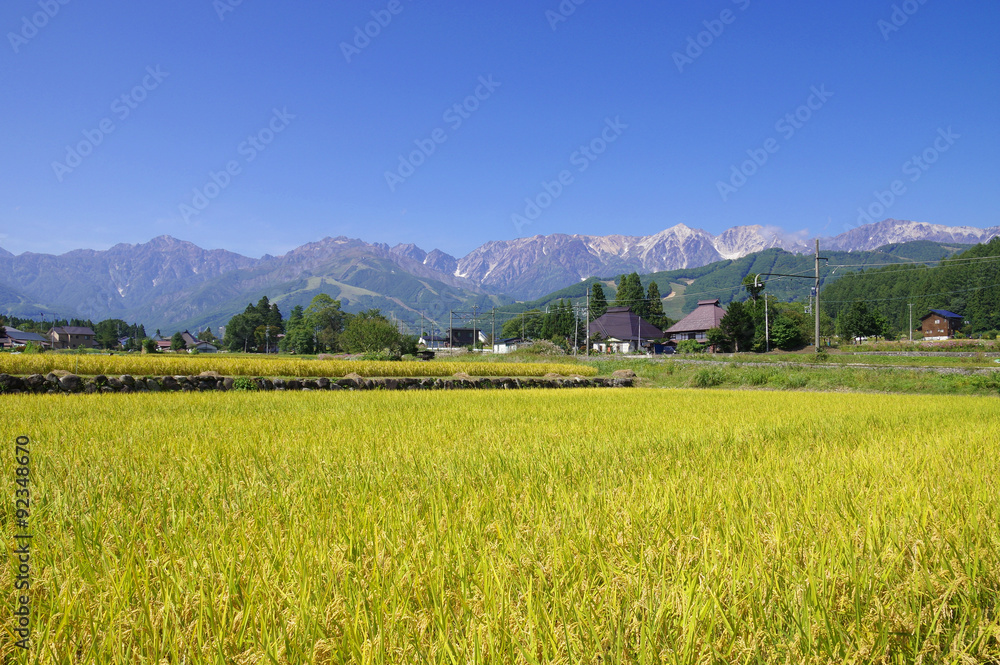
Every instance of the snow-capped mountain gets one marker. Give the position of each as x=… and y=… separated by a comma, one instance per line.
x=171, y=280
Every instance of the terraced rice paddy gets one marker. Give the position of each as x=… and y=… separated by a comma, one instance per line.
x=637, y=526
x=162, y=365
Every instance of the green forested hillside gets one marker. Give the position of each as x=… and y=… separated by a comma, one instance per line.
x=967, y=284
x=682, y=289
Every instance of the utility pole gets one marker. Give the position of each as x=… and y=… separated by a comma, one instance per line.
x=493, y=328
x=576, y=330
x=767, y=329
x=474, y=336
x=451, y=329
x=911, y=321
x=817, y=296
x=587, y=321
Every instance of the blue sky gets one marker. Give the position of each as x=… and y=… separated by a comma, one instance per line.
x=258, y=127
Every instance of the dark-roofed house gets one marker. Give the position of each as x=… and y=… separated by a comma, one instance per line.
x=620, y=330
x=71, y=337
x=940, y=324
x=191, y=343
x=12, y=338
x=705, y=316
x=464, y=336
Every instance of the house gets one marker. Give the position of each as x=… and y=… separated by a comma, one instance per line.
x=464, y=336
x=71, y=337
x=705, y=316
x=12, y=338
x=162, y=344
x=940, y=324
x=191, y=343
x=508, y=345
x=433, y=342
x=620, y=330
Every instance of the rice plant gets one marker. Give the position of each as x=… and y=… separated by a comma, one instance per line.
x=641, y=526
x=162, y=365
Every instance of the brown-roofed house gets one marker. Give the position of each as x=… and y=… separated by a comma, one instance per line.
x=620, y=330
x=705, y=316
x=191, y=343
x=71, y=337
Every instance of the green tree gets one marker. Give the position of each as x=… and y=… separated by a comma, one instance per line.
x=656, y=315
x=754, y=285
x=107, y=332
x=326, y=322
x=630, y=294
x=207, y=335
x=598, y=301
x=176, y=342
x=737, y=327
x=369, y=331
x=298, y=336
x=786, y=333
x=240, y=330
x=861, y=321
x=526, y=325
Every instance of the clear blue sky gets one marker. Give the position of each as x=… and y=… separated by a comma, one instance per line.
x=221, y=71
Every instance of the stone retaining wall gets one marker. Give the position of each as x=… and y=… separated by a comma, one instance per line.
x=70, y=383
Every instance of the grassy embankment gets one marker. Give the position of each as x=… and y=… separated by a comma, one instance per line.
x=732, y=373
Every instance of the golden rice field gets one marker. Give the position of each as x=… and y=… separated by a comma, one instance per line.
x=161, y=365
x=639, y=526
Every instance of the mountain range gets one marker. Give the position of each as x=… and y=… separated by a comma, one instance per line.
x=170, y=283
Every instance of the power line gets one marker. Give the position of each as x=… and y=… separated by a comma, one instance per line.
x=920, y=295
x=950, y=261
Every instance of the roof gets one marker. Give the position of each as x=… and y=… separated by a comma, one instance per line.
x=21, y=336
x=624, y=324
x=509, y=340
x=73, y=330
x=189, y=339
x=705, y=316
x=941, y=312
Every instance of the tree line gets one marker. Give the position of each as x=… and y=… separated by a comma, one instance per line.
x=321, y=327
x=878, y=299
x=107, y=333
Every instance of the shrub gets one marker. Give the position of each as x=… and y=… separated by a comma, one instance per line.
x=708, y=377
x=690, y=346
x=244, y=383
x=384, y=354
x=542, y=347
x=755, y=376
